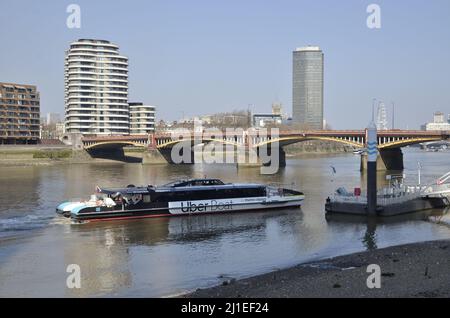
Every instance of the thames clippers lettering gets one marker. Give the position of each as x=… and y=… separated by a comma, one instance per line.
x=183, y=197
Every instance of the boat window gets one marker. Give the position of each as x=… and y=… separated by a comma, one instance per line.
x=199, y=182
x=146, y=198
x=215, y=182
x=207, y=194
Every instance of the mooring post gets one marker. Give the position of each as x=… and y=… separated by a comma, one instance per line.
x=372, y=152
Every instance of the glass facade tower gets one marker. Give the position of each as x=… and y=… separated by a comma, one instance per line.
x=307, y=87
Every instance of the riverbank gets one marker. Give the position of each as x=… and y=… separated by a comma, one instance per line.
x=412, y=270
x=42, y=155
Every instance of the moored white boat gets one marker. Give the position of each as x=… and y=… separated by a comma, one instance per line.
x=395, y=199
x=439, y=190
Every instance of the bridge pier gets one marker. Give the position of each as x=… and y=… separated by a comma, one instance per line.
x=268, y=160
x=183, y=155
x=387, y=159
x=392, y=159
x=255, y=158
x=153, y=157
x=247, y=158
x=282, y=159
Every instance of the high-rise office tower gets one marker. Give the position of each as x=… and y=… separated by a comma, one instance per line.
x=96, y=89
x=307, y=87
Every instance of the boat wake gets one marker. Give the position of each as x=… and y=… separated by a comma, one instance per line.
x=13, y=225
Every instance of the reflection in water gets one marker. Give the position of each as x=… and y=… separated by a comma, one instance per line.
x=369, y=239
x=441, y=218
x=103, y=267
x=116, y=243
x=165, y=256
x=190, y=229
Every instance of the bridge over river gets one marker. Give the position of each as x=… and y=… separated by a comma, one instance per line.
x=161, y=145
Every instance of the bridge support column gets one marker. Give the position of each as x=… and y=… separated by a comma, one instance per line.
x=273, y=160
x=247, y=158
x=272, y=155
x=387, y=159
x=81, y=155
x=153, y=157
x=282, y=158
x=184, y=155
x=391, y=159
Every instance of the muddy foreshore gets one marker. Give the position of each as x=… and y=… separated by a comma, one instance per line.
x=413, y=270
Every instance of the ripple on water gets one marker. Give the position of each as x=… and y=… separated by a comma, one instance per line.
x=11, y=225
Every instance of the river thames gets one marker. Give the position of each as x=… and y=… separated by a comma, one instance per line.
x=169, y=256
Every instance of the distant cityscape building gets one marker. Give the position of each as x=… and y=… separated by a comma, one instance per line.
x=382, y=122
x=60, y=130
x=96, y=89
x=54, y=131
x=207, y=119
x=275, y=118
x=234, y=119
x=438, y=118
x=142, y=118
x=52, y=119
x=19, y=114
x=277, y=109
x=438, y=123
x=307, y=87
x=263, y=120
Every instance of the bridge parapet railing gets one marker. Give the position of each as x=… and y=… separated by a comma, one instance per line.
x=412, y=133
x=352, y=132
x=113, y=137
x=321, y=132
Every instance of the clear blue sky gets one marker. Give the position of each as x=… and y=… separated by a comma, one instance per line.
x=200, y=57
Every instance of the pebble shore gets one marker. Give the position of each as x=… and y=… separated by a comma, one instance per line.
x=413, y=270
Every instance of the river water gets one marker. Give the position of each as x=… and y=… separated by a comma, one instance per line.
x=169, y=256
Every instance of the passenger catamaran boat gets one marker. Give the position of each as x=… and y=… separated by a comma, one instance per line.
x=182, y=197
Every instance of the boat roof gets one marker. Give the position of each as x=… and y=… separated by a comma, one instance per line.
x=129, y=191
x=180, y=185
x=194, y=182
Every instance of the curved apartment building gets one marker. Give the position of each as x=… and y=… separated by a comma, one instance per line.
x=96, y=89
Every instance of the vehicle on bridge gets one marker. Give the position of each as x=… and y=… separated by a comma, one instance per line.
x=185, y=197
